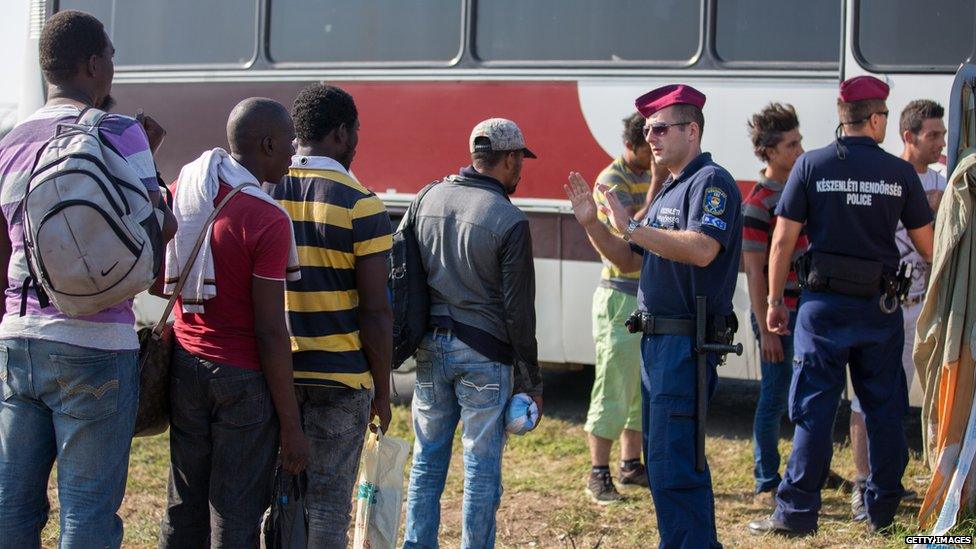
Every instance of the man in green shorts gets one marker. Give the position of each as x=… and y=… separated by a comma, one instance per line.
x=615, y=403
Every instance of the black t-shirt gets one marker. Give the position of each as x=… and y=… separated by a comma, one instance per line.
x=851, y=195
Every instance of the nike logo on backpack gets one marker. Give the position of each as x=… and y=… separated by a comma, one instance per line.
x=106, y=271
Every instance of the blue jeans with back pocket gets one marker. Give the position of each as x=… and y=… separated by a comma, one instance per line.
x=75, y=405
x=456, y=383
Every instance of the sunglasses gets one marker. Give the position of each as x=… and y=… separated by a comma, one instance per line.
x=661, y=129
x=885, y=113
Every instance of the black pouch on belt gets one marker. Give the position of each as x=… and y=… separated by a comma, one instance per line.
x=844, y=275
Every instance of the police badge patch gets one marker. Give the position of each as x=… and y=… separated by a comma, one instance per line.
x=714, y=201
x=713, y=221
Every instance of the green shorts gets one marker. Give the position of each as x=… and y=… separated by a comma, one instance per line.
x=615, y=403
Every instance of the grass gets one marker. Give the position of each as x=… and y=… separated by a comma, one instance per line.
x=543, y=504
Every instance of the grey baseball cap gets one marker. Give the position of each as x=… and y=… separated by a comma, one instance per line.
x=502, y=135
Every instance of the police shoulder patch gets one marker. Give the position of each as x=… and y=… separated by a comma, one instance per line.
x=714, y=201
x=713, y=221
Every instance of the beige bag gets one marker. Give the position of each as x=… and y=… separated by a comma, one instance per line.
x=379, y=498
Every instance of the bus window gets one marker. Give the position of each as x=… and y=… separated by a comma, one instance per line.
x=778, y=31
x=333, y=31
x=176, y=32
x=909, y=34
x=666, y=31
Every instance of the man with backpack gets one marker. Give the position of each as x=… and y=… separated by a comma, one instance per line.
x=481, y=348
x=69, y=383
x=338, y=312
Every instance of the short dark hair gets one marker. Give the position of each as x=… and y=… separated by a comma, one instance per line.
x=766, y=127
x=856, y=113
x=321, y=108
x=691, y=113
x=917, y=112
x=634, y=130
x=68, y=40
x=486, y=160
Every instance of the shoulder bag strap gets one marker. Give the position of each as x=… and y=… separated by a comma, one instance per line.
x=158, y=329
x=412, y=209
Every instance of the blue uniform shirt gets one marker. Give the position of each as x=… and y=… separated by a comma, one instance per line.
x=704, y=199
x=852, y=206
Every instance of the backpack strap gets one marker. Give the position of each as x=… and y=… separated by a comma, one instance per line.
x=411, y=214
x=90, y=116
x=158, y=328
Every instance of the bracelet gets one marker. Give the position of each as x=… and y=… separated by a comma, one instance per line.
x=774, y=302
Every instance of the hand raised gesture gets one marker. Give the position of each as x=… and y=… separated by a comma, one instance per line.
x=581, y=195
x=614, y=210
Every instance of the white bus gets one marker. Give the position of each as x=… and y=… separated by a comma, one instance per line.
x=423, y=72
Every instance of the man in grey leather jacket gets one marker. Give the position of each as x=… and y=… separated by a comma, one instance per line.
x=481, y=347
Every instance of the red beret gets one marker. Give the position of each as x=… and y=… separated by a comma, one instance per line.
x=861, y=88
x=665, y=96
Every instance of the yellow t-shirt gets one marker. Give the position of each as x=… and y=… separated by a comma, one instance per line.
x=632, y=191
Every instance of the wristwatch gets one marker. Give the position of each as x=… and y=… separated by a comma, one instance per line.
x=774, y=302
x=631, y=227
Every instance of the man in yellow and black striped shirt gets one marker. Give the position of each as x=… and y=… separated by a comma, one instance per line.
x=339, y=312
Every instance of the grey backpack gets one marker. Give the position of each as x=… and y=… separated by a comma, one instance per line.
x=92, y=237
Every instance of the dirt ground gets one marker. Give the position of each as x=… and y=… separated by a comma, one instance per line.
x=544, y=475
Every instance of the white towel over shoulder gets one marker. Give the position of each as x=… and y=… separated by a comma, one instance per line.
x=197, y=187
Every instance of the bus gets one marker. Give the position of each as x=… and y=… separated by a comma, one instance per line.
x=423, y=72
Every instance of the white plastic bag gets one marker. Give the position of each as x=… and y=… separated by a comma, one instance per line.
x=379, y=497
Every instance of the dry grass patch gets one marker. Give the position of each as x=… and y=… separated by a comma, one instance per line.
x=544, y=505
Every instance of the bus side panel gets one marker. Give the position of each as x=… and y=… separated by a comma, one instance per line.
x=413, y=132
x=580, y=279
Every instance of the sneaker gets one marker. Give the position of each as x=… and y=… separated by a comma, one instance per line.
x=770, y=525
x=634, y=477
x=858, y=511
x=601, y=490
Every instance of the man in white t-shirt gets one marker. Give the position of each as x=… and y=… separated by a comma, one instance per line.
x=923, y=135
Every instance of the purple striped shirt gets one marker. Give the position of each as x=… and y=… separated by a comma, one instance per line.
x=110, y=329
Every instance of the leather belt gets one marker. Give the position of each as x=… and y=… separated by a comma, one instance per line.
x=660, y=325
x=663, y=325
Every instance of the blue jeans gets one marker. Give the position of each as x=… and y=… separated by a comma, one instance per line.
x=774, y=391
x=75, y=405
x=455, y=382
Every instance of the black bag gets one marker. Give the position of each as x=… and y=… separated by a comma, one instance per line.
x=408, y=286
x=156, y=349
x=842, y=274
x=286, y=526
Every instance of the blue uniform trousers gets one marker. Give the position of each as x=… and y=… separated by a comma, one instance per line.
x=833, y=330
x=683, y=498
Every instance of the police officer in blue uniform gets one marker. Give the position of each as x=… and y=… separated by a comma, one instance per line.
x=851, y=195
x=687, y=246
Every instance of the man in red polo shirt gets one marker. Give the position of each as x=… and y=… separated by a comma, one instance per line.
x=775, y=135
x=233, y=395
